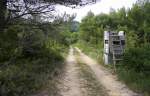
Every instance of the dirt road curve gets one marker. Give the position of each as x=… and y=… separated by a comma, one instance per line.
x=71, y=81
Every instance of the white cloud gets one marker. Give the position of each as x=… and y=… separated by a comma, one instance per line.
x=100, y=7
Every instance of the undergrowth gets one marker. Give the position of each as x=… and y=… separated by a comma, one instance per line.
x=138, y=82
x=24, y=75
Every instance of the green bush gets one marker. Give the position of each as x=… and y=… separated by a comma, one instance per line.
x=26, y=75
x=9, y=42
x=138, y=82
x=138, y=58
x=135, y=69
x=27, y=61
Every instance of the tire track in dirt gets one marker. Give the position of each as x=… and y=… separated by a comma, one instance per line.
x=89, y=81
x=109, y=81
x=70, y=85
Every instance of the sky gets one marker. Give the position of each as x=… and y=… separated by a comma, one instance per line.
x=102, y=6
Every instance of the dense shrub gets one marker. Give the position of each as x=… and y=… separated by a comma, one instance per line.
x=138, y=58
x=25, y=75
x=9, y=42
x=137, y=81
x=28, y=59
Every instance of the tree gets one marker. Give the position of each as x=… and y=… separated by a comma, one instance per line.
x=12, y=9
x=3, y=8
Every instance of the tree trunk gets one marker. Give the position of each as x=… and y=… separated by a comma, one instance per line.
x=3, y=9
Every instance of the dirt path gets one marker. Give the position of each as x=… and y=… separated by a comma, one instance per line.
x=83, y=76
x=109, y=81
x=71, y=83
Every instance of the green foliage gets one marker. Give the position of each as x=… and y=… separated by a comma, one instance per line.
x=138, y=82
x=26, y=76
x=9, y=42
x=135, y=22
x=90, y=30
x=137, y=58
x=30, y=55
